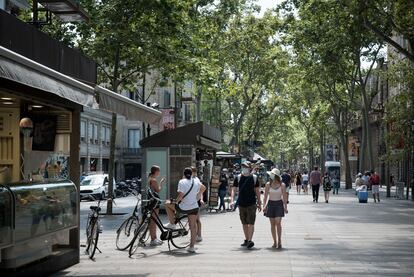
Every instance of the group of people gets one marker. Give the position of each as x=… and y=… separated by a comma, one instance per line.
x=189, y=199
x=302, y=181
x=369, y=180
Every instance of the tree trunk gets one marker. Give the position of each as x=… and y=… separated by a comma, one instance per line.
x=113, y=138
x=344, y=146
x=362, y=150
x=322, y=152
x=368, y=134
x=143, y=101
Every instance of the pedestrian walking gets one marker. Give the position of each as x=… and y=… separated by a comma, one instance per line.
x=366, y=177
x=315, y=181
x=298, y=180
x=224, y=184
x=305, y=181
x=359, y=183
x=155, y=188
x=375, y=183
x=248, y=201
x=286, y=180
x=327, y=186
x=275, y=205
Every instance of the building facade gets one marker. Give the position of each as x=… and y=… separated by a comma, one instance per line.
x=95, y=136
x=177, y=104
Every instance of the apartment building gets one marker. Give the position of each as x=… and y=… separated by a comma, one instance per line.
x=175, y=101
x=95, y=132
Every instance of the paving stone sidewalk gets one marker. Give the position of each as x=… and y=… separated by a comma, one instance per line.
x=342, y=238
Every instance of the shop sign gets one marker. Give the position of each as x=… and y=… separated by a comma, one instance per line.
x=352, y=147
x=168, y=119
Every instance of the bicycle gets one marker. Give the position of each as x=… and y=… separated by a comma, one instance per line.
x=178, y=237
x=127, y=229
x=92, y=230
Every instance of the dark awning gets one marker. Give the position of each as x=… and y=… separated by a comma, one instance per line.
x=198, y=134
x=132, y=110
x=20, y=69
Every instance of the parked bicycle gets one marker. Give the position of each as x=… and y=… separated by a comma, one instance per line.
x=126, y=231
x=178, y=237
x=93, y=228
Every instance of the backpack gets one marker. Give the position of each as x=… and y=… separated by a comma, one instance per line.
x=327, y=182
x=254, y=178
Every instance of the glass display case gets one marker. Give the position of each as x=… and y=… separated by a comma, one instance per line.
x=43, y=208
x=6, y=217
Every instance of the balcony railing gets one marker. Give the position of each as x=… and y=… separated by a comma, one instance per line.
x=132, y=152
x=26, y=40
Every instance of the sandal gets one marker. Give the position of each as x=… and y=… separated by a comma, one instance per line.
x=274, y=245
x=279, y=246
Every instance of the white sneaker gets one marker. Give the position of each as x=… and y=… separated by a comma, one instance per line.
x=199, y=239
x=170, y=226
x=156, y=242
x=191, y=249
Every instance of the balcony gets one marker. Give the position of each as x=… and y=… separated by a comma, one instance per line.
x=132, y=152
x=26, y=40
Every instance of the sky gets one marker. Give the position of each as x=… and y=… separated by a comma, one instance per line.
x=267, y=4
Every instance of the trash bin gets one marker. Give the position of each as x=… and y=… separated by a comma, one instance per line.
x=363, y=196
x=399, y=192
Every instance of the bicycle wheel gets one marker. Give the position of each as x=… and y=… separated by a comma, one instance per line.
x=139, y=237
x=181, y=239
x=126, y=232
x=88, y=232
x=93, y=238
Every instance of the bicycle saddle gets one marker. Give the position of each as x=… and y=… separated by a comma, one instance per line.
x=95, y=208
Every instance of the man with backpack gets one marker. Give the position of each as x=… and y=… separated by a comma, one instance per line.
x=374, y=181
x=248, y=201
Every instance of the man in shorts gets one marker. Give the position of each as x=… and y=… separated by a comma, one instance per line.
x=249, y=200
x=374, y=180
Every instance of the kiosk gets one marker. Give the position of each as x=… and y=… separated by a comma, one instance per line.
x=172, y=150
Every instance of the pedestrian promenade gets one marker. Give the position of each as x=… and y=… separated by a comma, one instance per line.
x=342, y=238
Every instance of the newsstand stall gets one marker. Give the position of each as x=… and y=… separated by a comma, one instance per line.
x=173, y=150
x=39, y=163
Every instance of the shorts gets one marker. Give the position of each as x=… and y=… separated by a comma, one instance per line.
x=248, y=215
x=305, y=183
x=287, y=189
x=187, y=212
x=375, y=188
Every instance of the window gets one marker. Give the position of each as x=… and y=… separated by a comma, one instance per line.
x=83, y=130
x=107, y=135
x=167, y=99
x=187, y=113
x=95, y=133
x=90, y=131
x=134, y=136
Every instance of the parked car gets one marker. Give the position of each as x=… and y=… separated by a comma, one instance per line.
x=95, y=185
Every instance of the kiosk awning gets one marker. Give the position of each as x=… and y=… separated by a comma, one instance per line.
x=196, y=134
x=20, y=69
x=132, y=110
